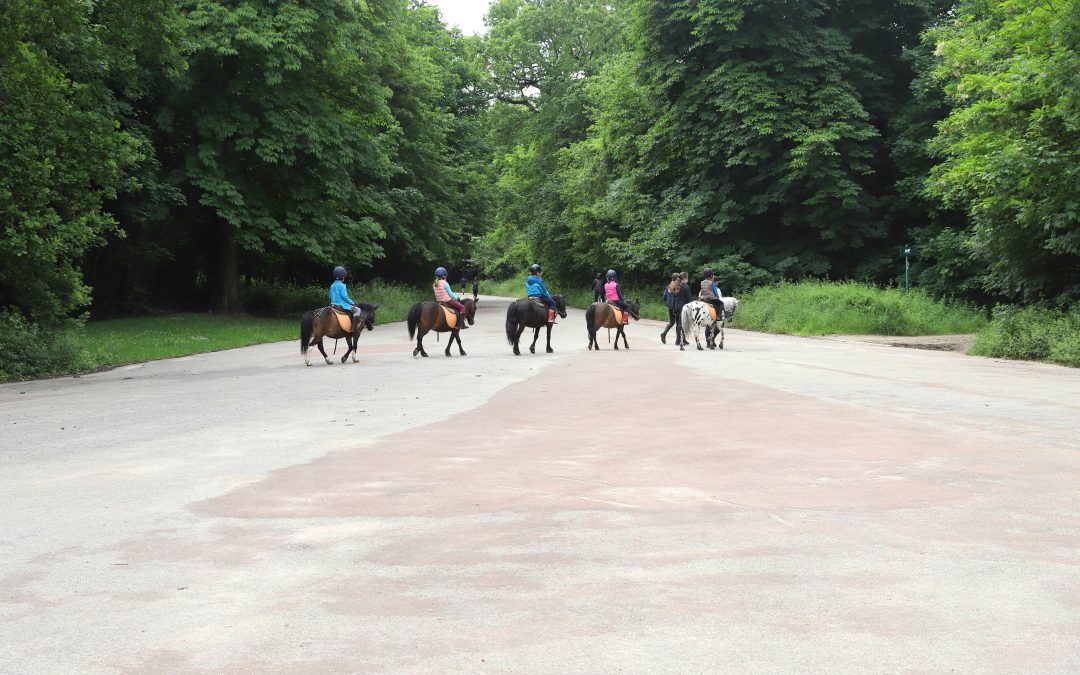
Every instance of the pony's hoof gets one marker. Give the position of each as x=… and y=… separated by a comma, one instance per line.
x=532, y=350
x=550, y=350
x=700, y=348
x=682, y=349
x=328, y=362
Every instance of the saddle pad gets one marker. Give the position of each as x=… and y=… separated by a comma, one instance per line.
x=711, y=310
x=451, y=316
x=618, y=314
x=344, y=320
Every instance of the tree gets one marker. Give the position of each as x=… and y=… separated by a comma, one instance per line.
x=62, y=154
x=278, y=133
x=1010, y=148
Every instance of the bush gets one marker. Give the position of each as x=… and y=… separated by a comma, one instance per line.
x=27, y=350
x=821, y=308
x=1032, y=334
x=288, y=300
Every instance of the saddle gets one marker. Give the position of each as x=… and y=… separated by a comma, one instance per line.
x=344, y=319
x=538, y=301
x=620, y=316
x=450, y=315
x=712, y=311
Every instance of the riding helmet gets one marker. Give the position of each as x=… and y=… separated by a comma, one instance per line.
x=440, y=271
x=340, y=273
x=611, y=274
x=535, y=269
x=708, y=272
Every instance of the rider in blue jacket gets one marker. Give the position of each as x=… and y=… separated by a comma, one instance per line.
x=339, y=296
x=535, y=288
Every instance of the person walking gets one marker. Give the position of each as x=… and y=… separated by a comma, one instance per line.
x=598, y=287
x=675, y=296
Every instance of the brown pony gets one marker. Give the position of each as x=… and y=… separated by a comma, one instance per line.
x=425, y=317
x=602, y=315
x=323, y=322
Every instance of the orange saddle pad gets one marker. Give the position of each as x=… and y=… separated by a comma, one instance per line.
x=712, y=311
x=620, y=316
x=451, y=316
x=344, y=320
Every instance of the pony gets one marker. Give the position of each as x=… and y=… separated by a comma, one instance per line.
x=602, y=315
x=522, y=314
x=695, y=316
x=323, y=322
x=425, y=317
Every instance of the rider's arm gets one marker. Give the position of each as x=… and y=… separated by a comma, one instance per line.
x=618, y=289
x=449, y=291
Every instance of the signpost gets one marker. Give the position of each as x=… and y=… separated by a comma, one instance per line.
x=907, y=268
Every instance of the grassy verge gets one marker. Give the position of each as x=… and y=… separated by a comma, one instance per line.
x=111, y=343
x=1032, y=334
x=821, y=308
x=28, y=351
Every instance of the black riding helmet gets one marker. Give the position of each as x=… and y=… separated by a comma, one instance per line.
x=708, y=273
x=535, y=269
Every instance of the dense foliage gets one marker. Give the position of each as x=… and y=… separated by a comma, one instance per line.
x=169, y=154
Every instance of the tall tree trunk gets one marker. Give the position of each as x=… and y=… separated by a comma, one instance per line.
x=224, y=273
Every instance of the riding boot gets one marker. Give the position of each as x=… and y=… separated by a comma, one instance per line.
x=462, y=325
x=663, y=335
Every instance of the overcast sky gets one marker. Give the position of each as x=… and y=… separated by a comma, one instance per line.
x=468, y=15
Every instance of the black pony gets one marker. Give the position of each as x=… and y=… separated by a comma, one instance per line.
x=522, y=314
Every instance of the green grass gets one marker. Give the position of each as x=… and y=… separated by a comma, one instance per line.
x=822, y=308
x=118, y=341
x=1032, y=334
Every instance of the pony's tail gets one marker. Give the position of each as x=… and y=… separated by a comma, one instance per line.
x=511, y=323
x=414, y=318
x=305, y=331
x=684, y=319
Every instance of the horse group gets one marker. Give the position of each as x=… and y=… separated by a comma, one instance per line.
x=432, y=317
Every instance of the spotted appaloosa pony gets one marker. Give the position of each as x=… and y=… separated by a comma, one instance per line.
x=602, y=315
x=522, y=314
x=695, y=317
x=425, y=317
x=323, y=322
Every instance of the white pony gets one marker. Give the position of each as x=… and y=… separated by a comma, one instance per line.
x=695, y=317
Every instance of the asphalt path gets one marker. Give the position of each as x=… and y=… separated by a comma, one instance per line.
x=783, y=505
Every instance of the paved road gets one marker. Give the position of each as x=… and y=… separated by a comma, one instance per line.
x=784, y=505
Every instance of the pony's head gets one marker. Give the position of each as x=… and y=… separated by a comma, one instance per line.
x=560, y=305
x=635, y=308
x=368, y=309
x=730, y=305
x=470, y=310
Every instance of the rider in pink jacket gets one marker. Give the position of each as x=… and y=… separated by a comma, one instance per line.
x=445, y=295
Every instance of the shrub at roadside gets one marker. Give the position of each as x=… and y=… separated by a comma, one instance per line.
x=1032, y=334
x=27, y=350
x=821, y=308
x=651, y=306
x=287, y=300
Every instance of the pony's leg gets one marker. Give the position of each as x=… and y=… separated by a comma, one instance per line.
x=323, y=351
x=348, y=348
x=419, y=344
x=549, y=349
x=450, y=342
x=622, y=332
x=517, y=340
x=721, y=336
x=536, y=336
x=461, y=350
x=617, y=332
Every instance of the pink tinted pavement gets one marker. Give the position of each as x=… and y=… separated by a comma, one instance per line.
x=783, y=505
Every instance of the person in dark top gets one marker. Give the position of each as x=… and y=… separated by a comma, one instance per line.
x=689, y=297
x=464, y=282
x=598, y=287
x=675, y=296
x=475, y=287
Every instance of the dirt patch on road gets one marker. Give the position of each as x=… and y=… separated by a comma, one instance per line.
x=939, y=343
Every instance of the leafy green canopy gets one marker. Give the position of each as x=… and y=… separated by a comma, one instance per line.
x=61, y=154
x=1010, y=148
